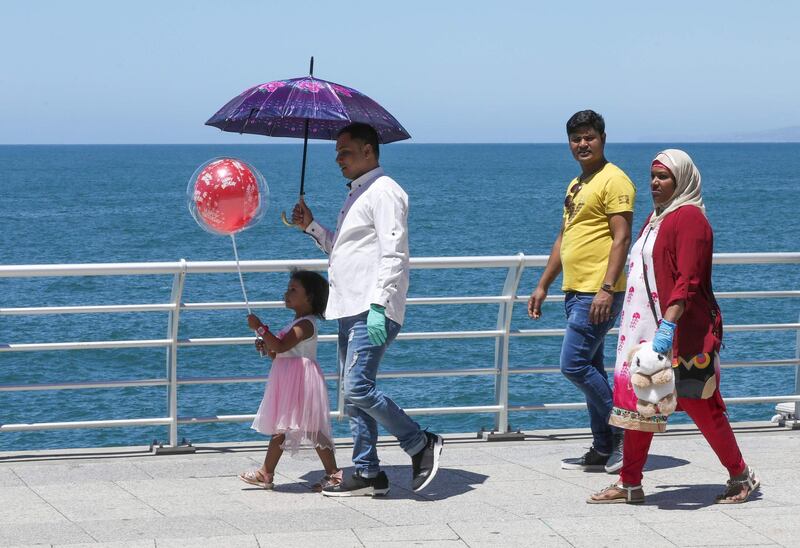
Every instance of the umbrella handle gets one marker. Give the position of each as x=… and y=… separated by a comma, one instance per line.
x=286, y=220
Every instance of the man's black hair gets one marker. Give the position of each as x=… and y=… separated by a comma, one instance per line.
x=586, y=118
x=316, y=287
x=364, y=133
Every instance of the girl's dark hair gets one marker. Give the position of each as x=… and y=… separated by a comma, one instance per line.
x=316, y=287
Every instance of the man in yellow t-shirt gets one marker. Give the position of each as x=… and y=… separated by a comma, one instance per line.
x=591, y=249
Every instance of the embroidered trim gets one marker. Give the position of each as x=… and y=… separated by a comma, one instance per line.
x=627, y=414
x=700, y=361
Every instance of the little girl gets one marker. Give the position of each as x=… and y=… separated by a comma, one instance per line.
x=294, y=410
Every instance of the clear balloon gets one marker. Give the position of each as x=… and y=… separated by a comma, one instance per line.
x=227, y=195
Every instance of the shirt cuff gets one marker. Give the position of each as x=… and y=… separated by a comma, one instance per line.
x=381, y=297
x=315, y=230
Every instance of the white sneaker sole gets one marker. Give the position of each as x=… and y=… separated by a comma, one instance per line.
x=614, y=468
x=589, y=468
x=437, y=452
x=364, y=492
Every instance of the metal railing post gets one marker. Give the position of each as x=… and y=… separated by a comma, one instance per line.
x=504, y=315
x=797, y=381
x=173, y=324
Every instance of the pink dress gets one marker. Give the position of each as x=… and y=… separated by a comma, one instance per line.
x=295, y=399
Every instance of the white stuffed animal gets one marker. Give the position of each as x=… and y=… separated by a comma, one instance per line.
x=652, y=380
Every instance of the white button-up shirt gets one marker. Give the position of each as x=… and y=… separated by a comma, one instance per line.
x=368, y=253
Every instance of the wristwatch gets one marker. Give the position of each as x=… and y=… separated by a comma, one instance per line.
x=608, y=288
x=262, y=329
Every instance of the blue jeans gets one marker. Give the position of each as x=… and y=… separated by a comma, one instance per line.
x=582, y=362
x=364, y=403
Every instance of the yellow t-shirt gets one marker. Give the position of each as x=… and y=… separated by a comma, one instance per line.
x=586, y=241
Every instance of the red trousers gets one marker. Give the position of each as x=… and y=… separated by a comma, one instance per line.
x=710, y=418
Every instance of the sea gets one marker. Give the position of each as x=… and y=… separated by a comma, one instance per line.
x=127, y=203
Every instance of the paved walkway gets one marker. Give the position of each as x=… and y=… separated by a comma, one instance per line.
x=487, y=494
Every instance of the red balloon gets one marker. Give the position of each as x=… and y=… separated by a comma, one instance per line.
x=226, y=195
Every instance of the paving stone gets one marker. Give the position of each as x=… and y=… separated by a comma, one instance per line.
x=422, y=543
x=42, y=533
x=94, y=500
x=531, y=532
x=407, y=533
x=163, y=527
x=273, y=519
x=486, y=494
x=411, y=512
x=335, y=538
x=231, y=541
x=55, y=472
x=9, y=479
x=704, y=528
x=123, y=544
x=23, y=505
x=779, y=524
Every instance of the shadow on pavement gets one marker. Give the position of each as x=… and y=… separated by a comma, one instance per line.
x=662, y=462
x=689, y=497
x=449, y=482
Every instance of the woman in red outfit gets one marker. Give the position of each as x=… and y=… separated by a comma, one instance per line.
x=670, y=301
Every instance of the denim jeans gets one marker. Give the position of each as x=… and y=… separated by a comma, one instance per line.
x=364, y=403
x=582, y=362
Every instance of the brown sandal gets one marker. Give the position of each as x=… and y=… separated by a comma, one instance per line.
x=734, y=488
x=258, y=477
x=616, y=493
x=327, y=481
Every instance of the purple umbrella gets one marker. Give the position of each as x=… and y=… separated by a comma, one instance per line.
x=304, y=107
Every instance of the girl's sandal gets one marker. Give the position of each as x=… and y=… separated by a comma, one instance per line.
x=258, y=477
x=734, y=488
x=616, y=493
x=327, y=481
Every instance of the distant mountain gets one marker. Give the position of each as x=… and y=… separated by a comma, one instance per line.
x=789, y=134
x=782, y=135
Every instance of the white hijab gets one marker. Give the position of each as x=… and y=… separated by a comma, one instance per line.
x=687, y=184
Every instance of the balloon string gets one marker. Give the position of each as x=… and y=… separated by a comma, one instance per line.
x=239, y=270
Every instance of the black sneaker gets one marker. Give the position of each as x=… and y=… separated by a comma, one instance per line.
x=357, y=486
x=425, y=463
x=614, y=463
x=592, y=460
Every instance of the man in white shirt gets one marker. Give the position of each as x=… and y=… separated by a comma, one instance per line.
x=368, y=275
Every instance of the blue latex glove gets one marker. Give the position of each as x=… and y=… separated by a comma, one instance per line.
x=662, y=342
x=376, y=325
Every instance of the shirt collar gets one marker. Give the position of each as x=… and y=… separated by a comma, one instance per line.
x=365, y=179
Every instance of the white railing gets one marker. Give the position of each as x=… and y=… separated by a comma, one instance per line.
x=502, y=334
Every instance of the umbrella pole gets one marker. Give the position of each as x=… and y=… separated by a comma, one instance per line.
x=305, y=153
x=303, y=169
x=239, y=270
x=305, y=139
x=302, y=176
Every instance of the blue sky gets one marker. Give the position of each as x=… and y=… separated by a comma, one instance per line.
x=154, y=71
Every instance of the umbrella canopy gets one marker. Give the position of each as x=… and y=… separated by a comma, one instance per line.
x=304, y=107
x=282, y=107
